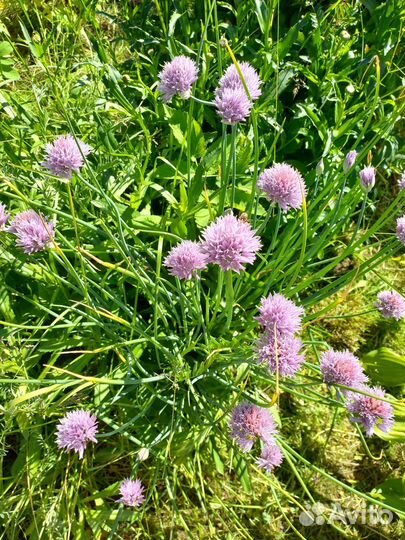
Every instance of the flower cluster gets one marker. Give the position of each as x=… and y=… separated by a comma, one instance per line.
x=229, y=242
x=238, y=88
x=350, y=160
x=367, y=178
x=278, y=313
x=280, y=353
x=131, y=492
x=177, y=77
x=277, y=346
x=185, y=259
x=4, y=217
x=76, y=430
x=370, y=411
x=32, y=231
x=231, y=79
x=250, y=423
x=284, y=185
x=391, y=305
x=343, y=368
x=65, y=156
x=401, y=229
x=232, y=101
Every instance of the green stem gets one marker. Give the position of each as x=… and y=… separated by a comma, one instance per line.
x=233, y=161
x=203, y=101
x=263, y=225
x=217, y=296
x=358, y=224
x=275, y=234
x=254, y=199
x=77, y=236
x=365, y=445
x=300, y=261
x=224, y=179
x=229, y=295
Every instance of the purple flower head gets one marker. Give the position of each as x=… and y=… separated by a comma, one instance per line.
x=4, y=217
x=271, y=457
x=371, y=412
x=342, y=368
x=232, y=104
x=177, y=77
x=350, y=160
x=131, y=492
x=65, y=156
x=281, y=314
x=250, y=422
x=75, y=430
x=185, y=259
x=32, y=231
x=284, y=185
x=401, y=229
x=230, y=242
x=232, y=80
x=391, y=305
x=367, y=178
x=280, y=352
x=401, y=181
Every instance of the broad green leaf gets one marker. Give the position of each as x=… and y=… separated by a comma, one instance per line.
x=385, y=367
x=6, y=49
x=392, y=492
x=397, y=432
x=242, y=470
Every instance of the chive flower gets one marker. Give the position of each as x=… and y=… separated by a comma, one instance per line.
x=276, y=312
x=76, y=430
x=65, y=156
x=271, y=457
x=131, y=492
x=367, y=178
x=284, y=185
x=33, y=232
x=177, y=77
x=249, y=423
x=280, y=352
x=371, y=412
x=342, y=367
x=391, y=305
x=185, y=259
x=350, y=160
x=231, y=79
x=233, y=105
x=401, y=229
x=230, y=242
x=4, y=217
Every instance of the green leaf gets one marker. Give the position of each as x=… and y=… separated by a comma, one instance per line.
x=242, y=470
x=172, y=23
x=392, y=492
x=219, y=464
x=385, y=367
x=6, y=49
x=285, y=45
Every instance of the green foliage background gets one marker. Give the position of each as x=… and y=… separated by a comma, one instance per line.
x=98, y=322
